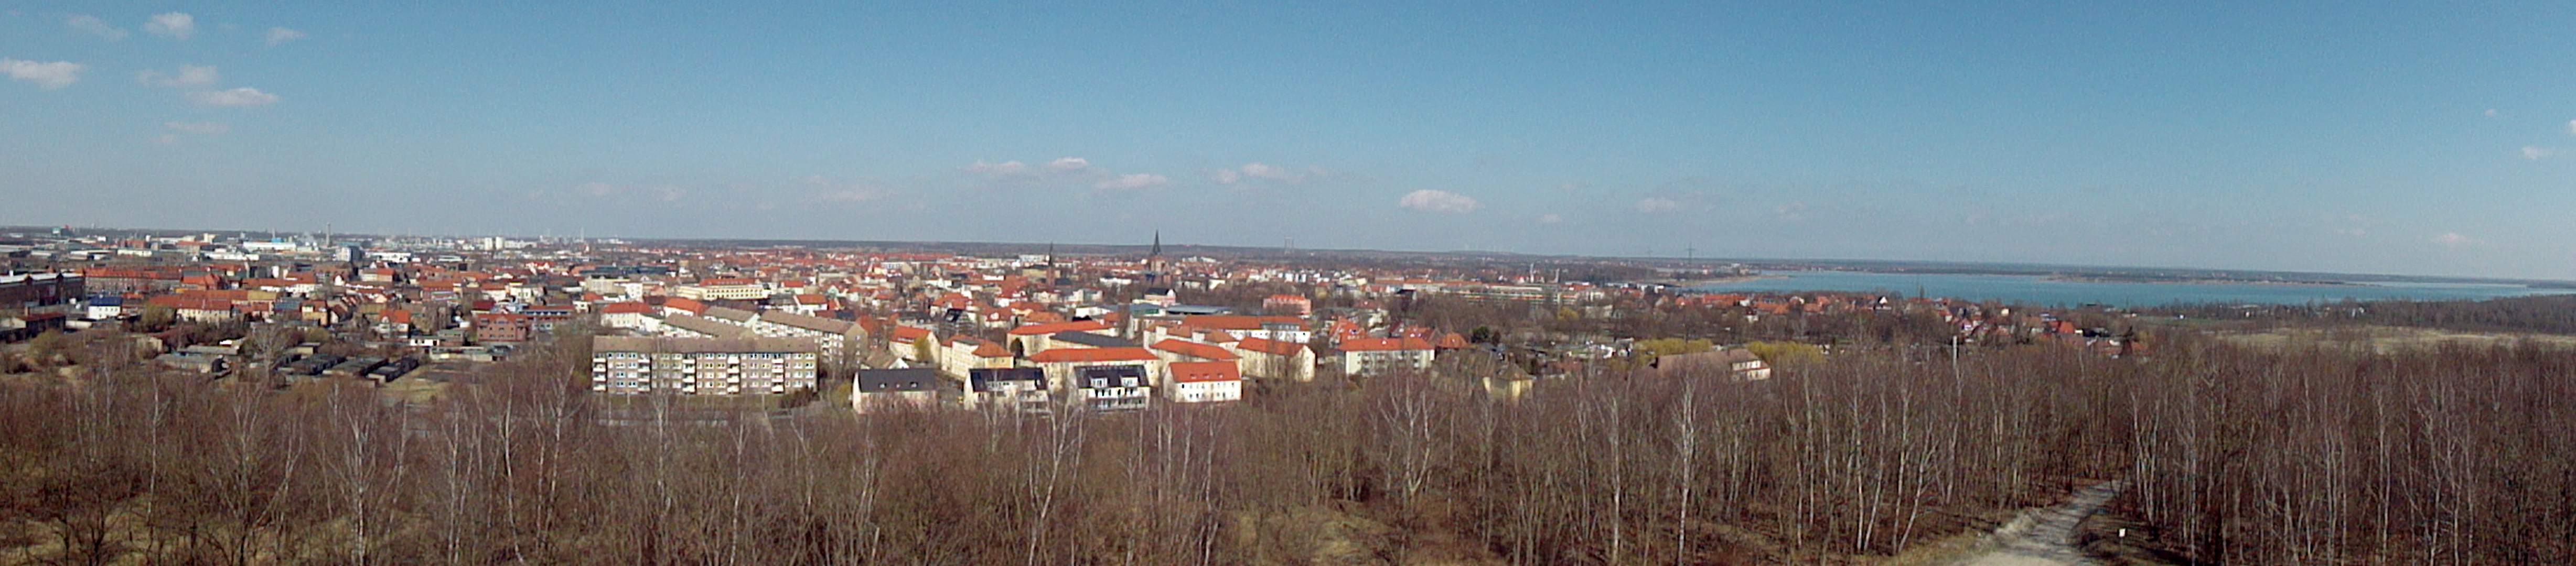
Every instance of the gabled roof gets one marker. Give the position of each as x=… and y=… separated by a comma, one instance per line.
x=1268, y=346
x=1092, y=340
x=981, y=379
x=1055, y=327
x=685, y=304
x=704, y=326
x=731, y=314
x=807, y=322
x=1202, y=372
x=1127, y=354
x=1195, y=349
x=991, y=350
x=897, y=380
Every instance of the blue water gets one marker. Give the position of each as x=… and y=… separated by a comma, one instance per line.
x=2037, y=290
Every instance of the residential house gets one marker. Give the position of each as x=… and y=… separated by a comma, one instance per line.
x=498, y=327
x=1016, y=388
x=878, y=390
x=1736, y=363
x=1373, y=356
x=1272, y=359
x=1062, y=365
x=1118, y=387
x=1204, y=382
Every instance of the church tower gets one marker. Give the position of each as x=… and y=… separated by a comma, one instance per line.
x=1155, y=264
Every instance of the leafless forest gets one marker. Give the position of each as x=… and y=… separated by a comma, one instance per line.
x=2311, y=457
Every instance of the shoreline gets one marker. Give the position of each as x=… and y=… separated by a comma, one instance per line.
x=1690, y=283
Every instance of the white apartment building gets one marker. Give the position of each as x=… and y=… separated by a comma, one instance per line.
x=702, y=366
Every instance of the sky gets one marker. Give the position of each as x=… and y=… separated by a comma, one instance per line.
x=2406, y=138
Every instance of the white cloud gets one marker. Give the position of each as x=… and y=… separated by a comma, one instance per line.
x=47, y=76
x=283, y=35
x=174, y=25
x=188, y=75
x=206, y=128
x=2571, y=127
x=2491, y=112
x=1792, y=212
x=244, y=96
x=2453, y=239
x=1550, y=219
x=89, y=24
x=1271, y=172
x=1652, y=205
x=2536, y=152
x=166, y=139
x=1003, y=169
x=1266, y=172
x=1133, y=181
x=1068, y=164
x=1430, y=200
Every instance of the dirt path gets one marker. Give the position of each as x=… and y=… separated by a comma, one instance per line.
x=2043, y=537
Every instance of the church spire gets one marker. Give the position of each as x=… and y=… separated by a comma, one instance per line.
x=1158, y=245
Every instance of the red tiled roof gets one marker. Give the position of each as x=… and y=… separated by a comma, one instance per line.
x=686, y=304
x=1201, y=372
x=1453, y=341
x=1195, y=349
x=991, y=350
x=1121, y=354
x=909, y=333
x=625, y=307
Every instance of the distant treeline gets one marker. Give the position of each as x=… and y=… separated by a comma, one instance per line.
x=2548, y=314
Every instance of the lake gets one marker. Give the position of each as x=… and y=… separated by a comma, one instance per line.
x=2039, y=290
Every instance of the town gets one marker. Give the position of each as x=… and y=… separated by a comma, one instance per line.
x=871, y=329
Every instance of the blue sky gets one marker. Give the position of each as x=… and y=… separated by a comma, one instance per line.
x=2367, y=137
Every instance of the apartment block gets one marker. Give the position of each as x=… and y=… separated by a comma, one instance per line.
x=702, y=366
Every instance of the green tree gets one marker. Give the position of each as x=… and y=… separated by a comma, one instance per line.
x=156, y=319
x=1777, y=353
x=42, y=348
x=1661, y=347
